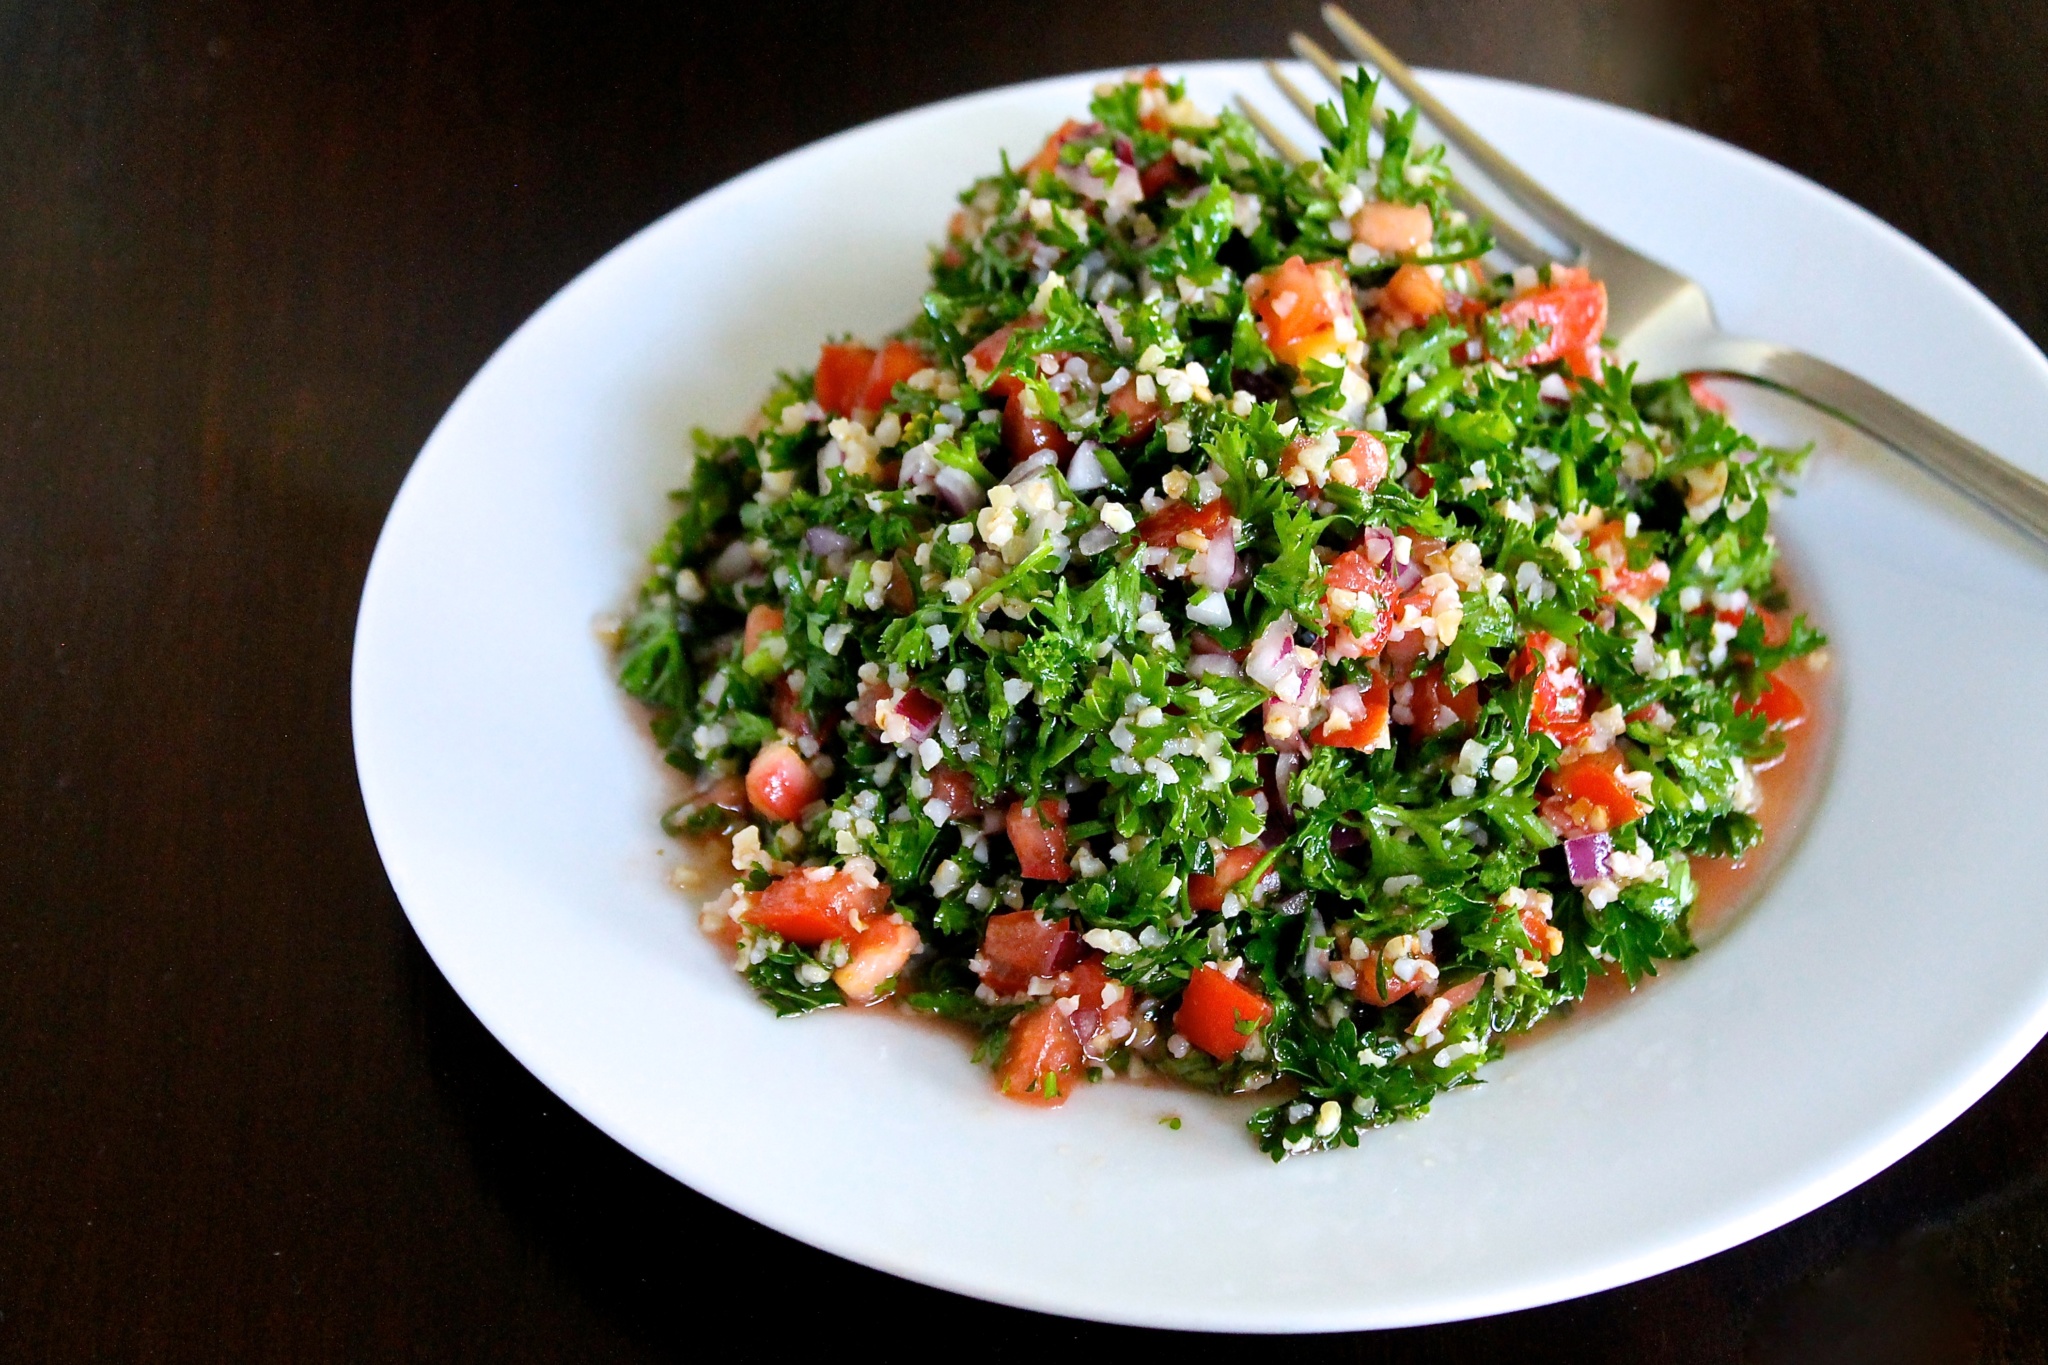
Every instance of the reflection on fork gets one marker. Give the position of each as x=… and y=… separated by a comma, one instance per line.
x=1661, y=320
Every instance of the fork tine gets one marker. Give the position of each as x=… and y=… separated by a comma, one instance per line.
x=1511, y=238
x=1268, y=130
x=1538, y=202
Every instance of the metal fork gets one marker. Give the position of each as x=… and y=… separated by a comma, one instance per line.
x=1662, y=320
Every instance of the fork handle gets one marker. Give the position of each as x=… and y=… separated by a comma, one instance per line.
x=1994, y=484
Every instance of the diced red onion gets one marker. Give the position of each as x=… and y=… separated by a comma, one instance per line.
x=1586, y=857
x=1210, y=609
x=1096, y=539
x=1344, y=838
x=920, y=712
x=959, y=489
x=823, y=541
x=1272, y=655
x=734, y=562
x=920, y=466
x=1085, y=473
x=1279, y=770
x=1207, y=665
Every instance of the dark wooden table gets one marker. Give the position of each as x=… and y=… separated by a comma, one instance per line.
x=250, y=252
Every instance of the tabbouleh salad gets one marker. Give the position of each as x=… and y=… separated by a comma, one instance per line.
x=1231, y=633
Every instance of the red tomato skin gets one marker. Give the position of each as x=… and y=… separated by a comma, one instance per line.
x=956, y=789
x=1780, y=705
x=1432, y=696
x=780, y=784
x=1354, y=571
x=1040, y=839
x=1211, y=1009
x=1206, y=890
x=1018, y=945
x=810, y=910
x=1368, y=987
x=1024, y=435
x=876, y=954
x=1143, y=416
x=1555, y=709
x=785, y=705
x=894, y=363
x=842, y=375
x=1574, y=307
x=761, y=620
x=1696, y=385
x=1165, y=527
x=1042, y=1058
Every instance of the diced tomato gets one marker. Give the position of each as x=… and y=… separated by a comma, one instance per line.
x=956, y=789
x=780, y=784
x=1099, y=1026
x=1370, y=967
x=761, y=620
x=1025, y=435
x=1587, y=796
x=786, y=705
x=1777, y=626
x=1042, y=1058
x=1435, y=707
x=1780, y=705
x=1696, y=385
x=894, y=363
x=988, y=353
x=1536, y=925
x=1157, y=176
x=1165, y=527
x=1039, y=837
x=1018, y=945
x=876, y=955
x=1142, y=415
x=1206, y=890
x=1048, y=158
x=1462, y=994
x=1610, y=548
x=842, y=376
x=1573, y=306
x=1392, y=229
x=1361, y=460
x=1414, y=294
x=1219, y=1015
x=1358, y=717
x=1557, y=705
x=1372, y=590
x=1298, y=306
x=807, y=908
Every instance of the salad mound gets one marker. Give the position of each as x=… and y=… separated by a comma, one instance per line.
x=1232, y=633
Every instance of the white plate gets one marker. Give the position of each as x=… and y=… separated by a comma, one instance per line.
x=1897, y=968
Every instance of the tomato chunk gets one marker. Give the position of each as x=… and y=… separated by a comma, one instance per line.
x=1039, y=835
x=1165, y=527
x=1557, y=704
x=1102, y=1006
x=1141, y=414
x=1042, y=1058
x=1025, y=435
x=1298, y=307
x=1219, y=1015
x=1434, y=707
x=1358, y=717
x=1780, y=705
x=956, y=789
x=1357, y=587
x=1392, y=229
x=842, y=376
x=1048, y=157
x=877, y=954
x=1611, y=554
x=1018, y=945
x=894, y=363
x=1413, y=295
x=1206, y=890
x=780, y=784
x=808, y=908
x=1573, y=306
x=1587, y=796
x=761, y=620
